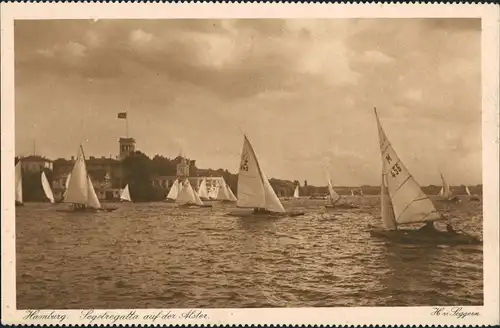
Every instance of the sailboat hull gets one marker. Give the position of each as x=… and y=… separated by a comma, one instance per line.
x=342, y=206
x=419, y=237
x=270, y=215
x=453, y=199
x=87, y=210
x=194, y=205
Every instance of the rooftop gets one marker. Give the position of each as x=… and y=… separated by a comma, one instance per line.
x=35, y=158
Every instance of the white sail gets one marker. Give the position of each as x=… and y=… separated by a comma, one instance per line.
x=445, y=190
x=126, y=194
x=387, y=212
x=46, y=188
x=93, y=201
x=467, y=191
x=254, y=190
x=361, y=192
x=187, y=195
x=410, y=203
x=212, y=194
x=174, y=190
x=352, y=192
x=334, y=196
x=19, y=183
x=296, y=192
x=202, y=191
x=78, y=187
x=232, y=197
x=67, y=180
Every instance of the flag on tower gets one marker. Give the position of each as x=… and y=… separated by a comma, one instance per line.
x=122, y=115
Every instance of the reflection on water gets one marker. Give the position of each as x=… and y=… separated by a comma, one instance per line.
x=155, y=255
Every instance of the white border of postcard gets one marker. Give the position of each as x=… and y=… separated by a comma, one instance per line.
x=471, y=315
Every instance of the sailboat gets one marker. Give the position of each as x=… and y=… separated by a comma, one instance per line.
x=404, y=202
x=46, y=188
x=188, y=197
x=254, y=189
x=19, y=185
x=446, y=192
x=203, y=191
x=336, y=201
x=80, y=192
x=212, y=194
x=471, y=196
x=296, y=192
x=125, y=196
x=224, y=193
x=174, y=191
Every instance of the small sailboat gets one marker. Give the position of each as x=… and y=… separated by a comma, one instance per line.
x=174, y=191
x=212, y=194
x=46, y=188
x=19, y=184
x=337, y=201
x=203, y=191
x=404, y=202
x=188, y=197
x=254, y=189
x=352, y=193
x=225, y=194
x=471, y=196
x=446, y=193
x=125, y=196
x=296, y=192
x=80, y=192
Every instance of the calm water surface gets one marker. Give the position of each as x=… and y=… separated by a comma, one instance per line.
x=155, y=255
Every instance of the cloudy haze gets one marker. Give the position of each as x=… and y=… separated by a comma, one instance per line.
x=303, y=91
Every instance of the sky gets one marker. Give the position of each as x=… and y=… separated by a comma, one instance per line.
x=302, y=90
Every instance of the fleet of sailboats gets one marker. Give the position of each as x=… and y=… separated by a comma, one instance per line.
x=402, y=200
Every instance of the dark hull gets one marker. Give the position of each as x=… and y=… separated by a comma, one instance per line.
x=341, y=206
x=419, y=237
x=19, y=204
x=194, y=205
x=87, y=210
x=474, y=199
x=449, y=200
x=271, y=215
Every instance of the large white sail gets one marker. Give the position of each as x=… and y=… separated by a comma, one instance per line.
x=93, y=201
x=19, y=183
x=187, y=195
x=78, y=186
x=202, y=191
x=410, y=203
x=387, y=212
x=174, y=190
x=126, y=194
x=296, y=192
x=224, y=193
x=445, y=190
x=46, y=188
x=334, y=196
x=254, y=190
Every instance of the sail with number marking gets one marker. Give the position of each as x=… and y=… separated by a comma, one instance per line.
x=19, y=183
x=254, y=189
x=46, y=188
x=410, y=203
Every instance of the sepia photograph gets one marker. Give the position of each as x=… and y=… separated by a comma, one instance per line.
x=236, y=163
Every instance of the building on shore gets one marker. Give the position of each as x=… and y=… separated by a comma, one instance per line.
x=35, y=163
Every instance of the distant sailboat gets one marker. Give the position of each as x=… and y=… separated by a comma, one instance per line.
x=296, y=192
x=352, y=193
x=446, y=192
x=19, y=184
x=174, y=191
x=409, y=204
x=212, y=194
x=254, y=189
x=188, y=197
x=46, y=188
x=335, y=199
x=81, y=193
x=125, y=196
x=471, y=196
x=225, y=194
x=202, y=191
